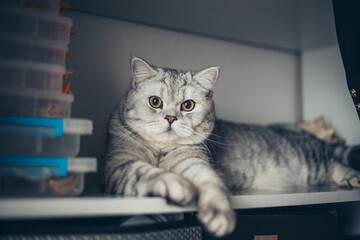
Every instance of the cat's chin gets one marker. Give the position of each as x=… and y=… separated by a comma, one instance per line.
x=174, y=139
x=169, y=136
x=172, y=135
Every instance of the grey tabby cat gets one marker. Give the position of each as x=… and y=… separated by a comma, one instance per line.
x=163, y=140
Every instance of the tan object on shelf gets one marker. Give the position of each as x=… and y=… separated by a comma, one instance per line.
x=63, y=185
x=52, y=110
x=322, y=131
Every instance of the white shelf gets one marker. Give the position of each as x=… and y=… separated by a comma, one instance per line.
x=101, y=206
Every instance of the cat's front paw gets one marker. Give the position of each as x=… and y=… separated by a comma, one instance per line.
x=216, y=214
x=174, y=188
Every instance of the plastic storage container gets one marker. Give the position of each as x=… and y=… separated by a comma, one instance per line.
x=34, y=24
x=43, y=176
x=37, y=103
x=50, y=6
x=26, y=75
x=32, y=50
x=34, y=136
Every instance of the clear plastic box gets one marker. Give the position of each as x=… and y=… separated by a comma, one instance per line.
x=33, y=136
x=32, y=50
x=35, y=176
x=50, y=6
x=25, y=75
x=34, y=24
x=14, y=101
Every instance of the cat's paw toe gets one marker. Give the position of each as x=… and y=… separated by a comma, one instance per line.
x=218, y=218
x=175, y=189
x=218, y=223
x=345, y=184
x=354, y=182
x=180, y=191
x=351, y=182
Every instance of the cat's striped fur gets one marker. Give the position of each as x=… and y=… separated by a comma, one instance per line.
x=279, y=157
x=197, y=158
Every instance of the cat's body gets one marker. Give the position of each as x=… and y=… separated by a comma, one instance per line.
x=277, y=157
x=163, y=140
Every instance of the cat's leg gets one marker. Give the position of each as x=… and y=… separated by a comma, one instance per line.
x=138, y=178
x=214, y=207
x=345, y=176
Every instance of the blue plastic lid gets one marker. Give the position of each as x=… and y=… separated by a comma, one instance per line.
x=39, y=126
x=10, y=165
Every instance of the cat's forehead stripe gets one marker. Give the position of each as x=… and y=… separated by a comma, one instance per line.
x=167, y=81
x=173, y=84
x=174, y=80
x=163, y=89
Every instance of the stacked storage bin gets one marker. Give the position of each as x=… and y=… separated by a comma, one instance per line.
x=39, y=141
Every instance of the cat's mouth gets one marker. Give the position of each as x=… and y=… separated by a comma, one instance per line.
x=176, y=132
x=168, y=134
x=171, y=132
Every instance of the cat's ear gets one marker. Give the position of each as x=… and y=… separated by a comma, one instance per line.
x=141, y=71
x=207, y=77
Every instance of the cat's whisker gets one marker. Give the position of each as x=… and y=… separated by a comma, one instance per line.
x=205, y=148
x=187, y=131
x=129, y=133
x=155, y=123
x=206, y=137
x=202, y=142
x=218, y=136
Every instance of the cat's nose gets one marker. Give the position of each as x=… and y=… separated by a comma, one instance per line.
x=170, y=119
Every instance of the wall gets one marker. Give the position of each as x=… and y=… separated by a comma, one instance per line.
x=255, y=85
x=325, y=92
x=286, y=25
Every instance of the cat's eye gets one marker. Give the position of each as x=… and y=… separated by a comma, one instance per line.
x=188, y=105
x=155, y=102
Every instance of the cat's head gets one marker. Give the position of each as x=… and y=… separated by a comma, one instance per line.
x=168, y=106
